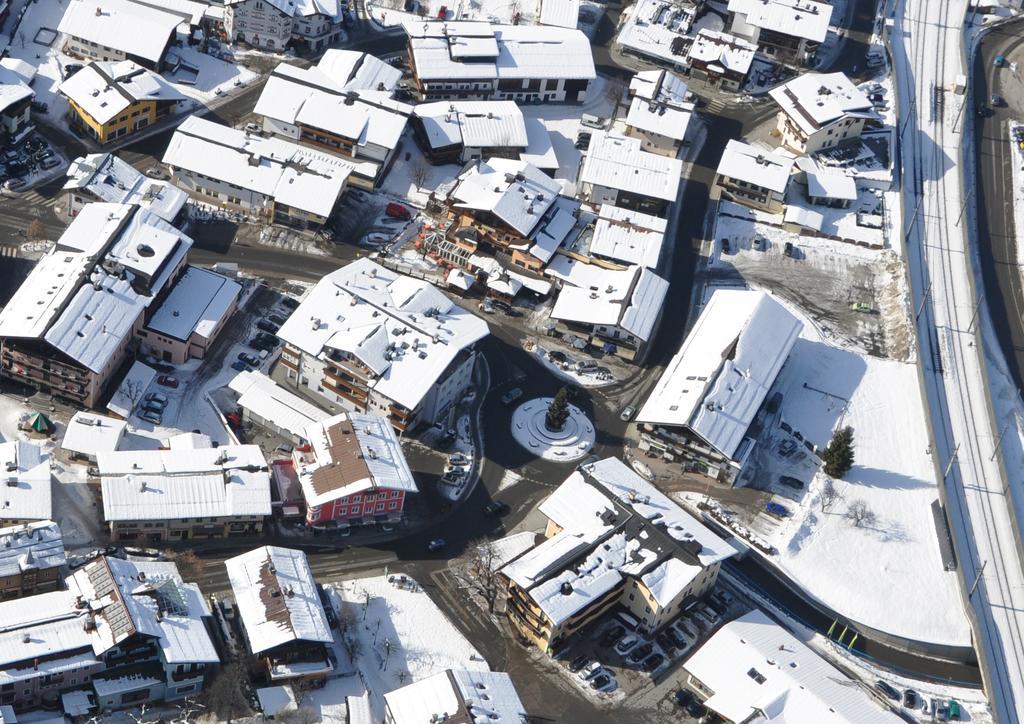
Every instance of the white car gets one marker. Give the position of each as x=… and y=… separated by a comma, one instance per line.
x=626, y=645
x=589, y=670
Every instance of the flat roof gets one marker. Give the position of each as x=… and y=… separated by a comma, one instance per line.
x=629, y=237
x=26, y=490
x=104, y=90
x=756, y=166
x=126, y=26
x=266, y=399
x=815, y=100
x=619, y=162
x=197, y=304
x=720, y=376
x=224, y=482
x=277, y=598
x=755, y=668
x=88, y=433
x=797, y=18
x=290, y=174
x=403, y=329
x=107, y=177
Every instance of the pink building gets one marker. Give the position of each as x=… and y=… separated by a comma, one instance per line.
x=353, y=471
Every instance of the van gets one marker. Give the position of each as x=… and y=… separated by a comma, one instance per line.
x=589, y=119
x=585, y=365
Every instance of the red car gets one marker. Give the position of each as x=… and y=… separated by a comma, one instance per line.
x=167, y=381
x=442, y=14
x=397, y=211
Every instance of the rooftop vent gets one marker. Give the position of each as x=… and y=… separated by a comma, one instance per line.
x=566, y=588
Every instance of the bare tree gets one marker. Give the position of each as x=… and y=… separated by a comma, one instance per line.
x=140, y=718
x=224, y=696
x=188, y=711
x=190, y=566
x=35, y=231
x=132, y=389
x=830, y=495
x=302, y=715
x=860, y=514
x=419, y=175
x=476, y=570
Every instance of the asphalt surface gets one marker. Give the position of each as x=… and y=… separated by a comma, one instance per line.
x=995, y=155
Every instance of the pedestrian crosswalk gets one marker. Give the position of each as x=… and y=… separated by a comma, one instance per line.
x=8, y=251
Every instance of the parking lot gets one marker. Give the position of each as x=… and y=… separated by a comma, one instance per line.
x=26, y=160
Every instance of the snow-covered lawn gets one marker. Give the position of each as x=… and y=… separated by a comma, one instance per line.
x=886, y=573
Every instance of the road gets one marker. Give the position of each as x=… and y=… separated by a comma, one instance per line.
x=927, y=48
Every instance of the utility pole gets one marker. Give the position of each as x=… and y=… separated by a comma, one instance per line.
x=963, y=208
x=952, y=460
x=999, y=441
x=924, y=300
x=974, y=317
x=977, y=579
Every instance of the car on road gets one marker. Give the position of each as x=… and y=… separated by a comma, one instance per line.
x=496, y=509
x=627, y=413
x=999, y=61
x=249, y=359
x=156, y=172
x=612, y=636
x=239, y=366
x=149, y=416
x=578, y=663
x=652, y=662
x=726, y=248
x=641, y=652
x=511, y=396
x=779, y=511
x=436, y=544
x=997, y=101
x=887, y=689
x=167, y=381
x=790, y=482
x=625, y=645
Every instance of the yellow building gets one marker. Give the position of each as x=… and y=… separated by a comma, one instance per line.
x=612, y=541
x=112, y=100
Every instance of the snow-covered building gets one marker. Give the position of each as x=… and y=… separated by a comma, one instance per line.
x=349, y=70
x=112, y=100
x=281, y=614
x=612, y=539
x=107, y=177
x=659, y=113
x=627, y=237
x=480, y=61
x=706, y=399
x=112, y=30
x=787, y=30
x=184, y=492
x=560, y=13
x=88, y=434
x=275, y=24
x=456, y=695
x=354, y=471
x=31, y=559
x=27, y=492
x=265, y=403
x=614, y=309
x=720, y=60
x=307, y=106
x=70, y=325
x=619, y=172
x=126, y=397
x=754, y=177
x=274, y=179
x=510, y=207
x=367, y=339
x=464, y=131
x=752, y=669
x=659, y=32
x=188, y=321
x=820, y=110
x=15, y=103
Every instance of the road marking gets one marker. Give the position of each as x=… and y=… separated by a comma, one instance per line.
x=9, y=251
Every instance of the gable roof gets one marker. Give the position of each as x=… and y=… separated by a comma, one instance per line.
x=132, y=28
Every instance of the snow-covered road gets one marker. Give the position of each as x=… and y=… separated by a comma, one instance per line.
x=926, y=43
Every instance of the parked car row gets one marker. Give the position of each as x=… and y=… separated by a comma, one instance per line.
x=24, y=157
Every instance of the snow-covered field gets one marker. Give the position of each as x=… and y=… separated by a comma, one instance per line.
x=886, y=573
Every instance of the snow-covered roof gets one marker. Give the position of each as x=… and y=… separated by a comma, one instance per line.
x=630, y=298
x=224, y=482
x=654, y=27
x=25, y=71
x=31, y=547
x=107, y=177
x=815, y=100
x=613, y=525
x=828, y=182
x=507, y=549
x=105, y=90
x=89, y=434
x=354, y=70
x=516, y=192
x=473, y=124
x=714, y=47
x=630, y=237
x=351, y=453
x=148, y=598
x=659, y=117
x=804, y=216
x=403, y=329
x=504, y=52
x=26, y=490
x=189, y=11
x=539, y=152
x=472, y=697
x=266, y=399
x=756, y=669
x=303, y=8
x=54, y=631
x=197, y=303
x=758, y=167
x=123, y=25
x=720, y=376
x=619, y=162
x=13, y=89
x=562, y=13
x=277, y=598
x=293, y=175
x=659, y=85
x=138, y=377
x=276, y=699
x=797, y=18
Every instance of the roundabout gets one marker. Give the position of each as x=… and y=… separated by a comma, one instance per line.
x=569, y=444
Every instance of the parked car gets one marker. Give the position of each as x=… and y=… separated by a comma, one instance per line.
x=397, y=211
x=167, y=381
x=592, y=668
x=14, y=184
x=253, y=128
x=790, y=482
x=678, y=640
x=626, y=645
x=683, y=697
x=592, y=121
x=227, y=607
x=910, y=699
x=665, y=641
x=267, y=326
x=887, y=689
x=71, y=68
x=496, y=509
x=249, y=359
x=612, y=636
x=436, y=545
x=726, y=249
x=511, y=396
x=239, y=366
x=999, y=61
x=156, y=397
x=152, y=417
x=641, y=652
x=602, y=682
x=578, y=663
x=779, y=511
x=290, y=302
x=157, y=405
x=652, y=662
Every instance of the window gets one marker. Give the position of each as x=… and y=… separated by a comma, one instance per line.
x=355, y=510
x=380, y=507
x=393, y=505
x=343, y=510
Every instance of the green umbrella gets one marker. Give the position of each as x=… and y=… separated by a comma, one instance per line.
x=41, y=423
